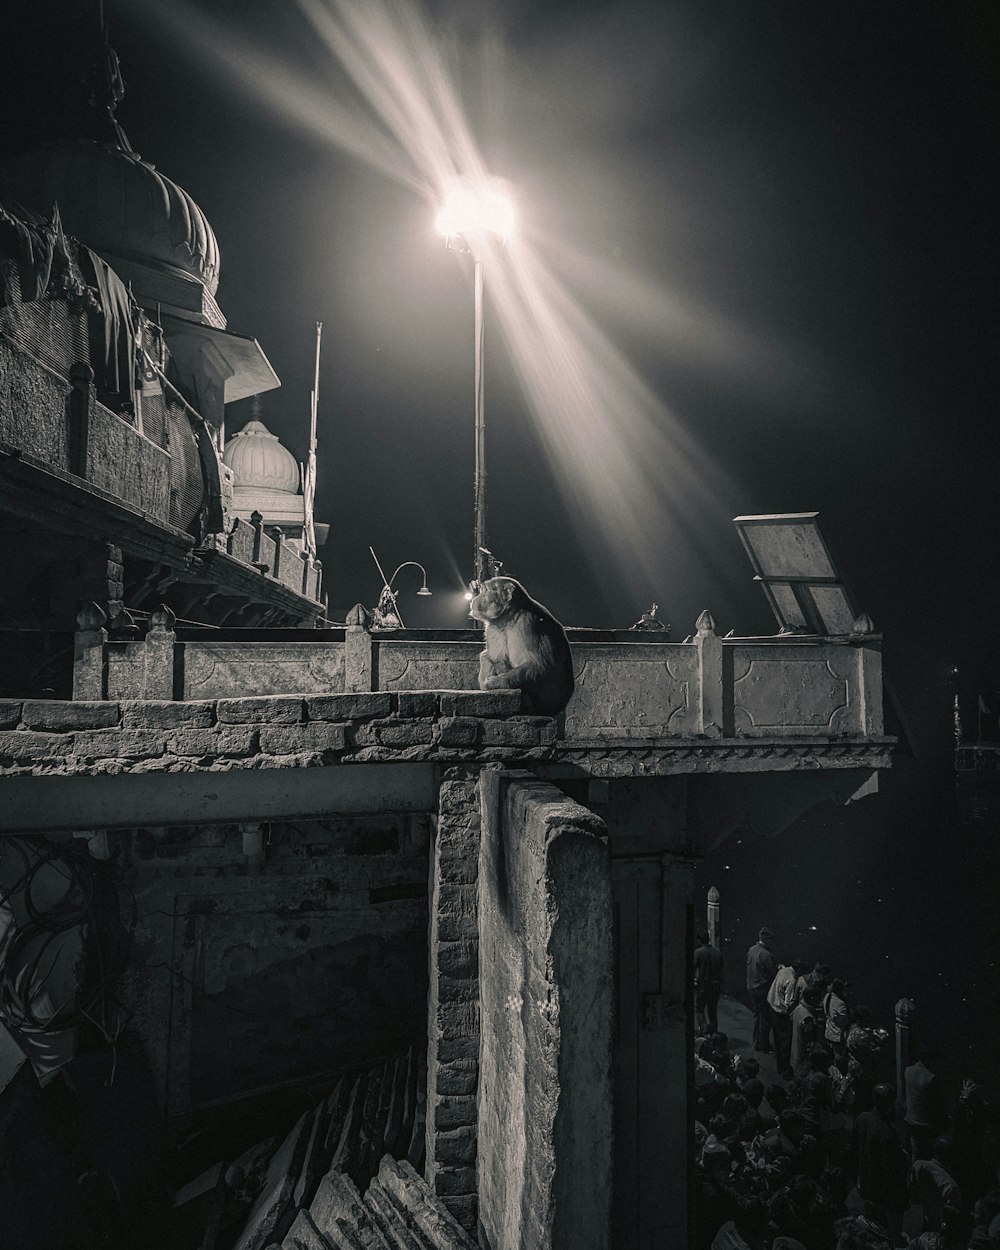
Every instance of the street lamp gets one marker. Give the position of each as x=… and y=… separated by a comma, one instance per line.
x=386, y=613
x=473, y=210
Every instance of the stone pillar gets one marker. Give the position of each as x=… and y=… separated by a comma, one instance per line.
x=158, y=655
x=905, y=1011
x=714, y=918
x=359, y=670
x=89, y=667
x=453, y=998
x=81, y=377
x=708, y=706
x=279, y=543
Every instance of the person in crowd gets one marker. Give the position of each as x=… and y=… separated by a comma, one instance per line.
x=707, y=982
x=745, y=1231
x=932, y=1186
x=923, y=1104
x=968, y=1128
x=864, y=1044
x=837, y=1019
x=805, y=1026
x=761, y=969
x=882, y=1156
x=781, y=999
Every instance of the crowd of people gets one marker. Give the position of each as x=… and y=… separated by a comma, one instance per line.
x=826, y=1156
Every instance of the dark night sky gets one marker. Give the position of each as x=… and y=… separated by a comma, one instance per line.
x=812, y=185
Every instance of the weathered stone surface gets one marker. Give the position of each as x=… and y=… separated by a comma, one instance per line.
x=434, y=1220
x=453, y=1111
x=62, y=714
x=10, y=713
x=275, y=709
x=119, y=744
x=390, y=1220
x=161, y=714
x=407, y=733
x=458, y=1077
x=510, y=733
x=458, y=731
x=457, y=1047
x=343, y=707
x=224, y=740
x=338, y=1204
x=414, y=703
x=304, y=1235
x=456, y=1147
x=292, y=739
x=273, y=1199
x=30, y=747
x=486, y=703
x=457, y=959
x=458, y=1179
x=544, y=1158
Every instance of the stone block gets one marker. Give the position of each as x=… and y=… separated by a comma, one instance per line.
x=461, y=866
x=295, y=739
x=344, y=707
x=456, y=1147
x=164, y=714
x=458, y=989
x=464, y=1210
x=391, y=1220
x=10, y=713
x=458, y=731
x=458, y=1078
x=451, y=1048
x=457, y=959
x=276, y=709
x=509, y=733
x=407, y=734
x=338, y=1204
x=456, y=1018
x=454, y=1179
x=26, y=746
x=63, y=714
x=452, y=1110
x=433, y=1219
x=481, y=703
x=226, y=740
x=133, y=744
x=273, y=1200
x=304, y=1235
x=414, y=703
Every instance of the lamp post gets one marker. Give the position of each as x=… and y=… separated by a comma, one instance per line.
x=387, y=614
x=473, y=209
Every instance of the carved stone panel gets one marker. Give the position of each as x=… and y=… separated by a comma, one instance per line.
x=650, y=695
x=793, y=690
x=409, y=665
x=219, y=670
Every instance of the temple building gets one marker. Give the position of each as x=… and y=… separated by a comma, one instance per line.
x=304, y=939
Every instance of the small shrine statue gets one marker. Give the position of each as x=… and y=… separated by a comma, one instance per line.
x=650, y=621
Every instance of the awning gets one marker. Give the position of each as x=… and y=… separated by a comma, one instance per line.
x=248, y=370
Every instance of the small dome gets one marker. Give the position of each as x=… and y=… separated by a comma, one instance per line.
x=259, y=461
x=117, y=204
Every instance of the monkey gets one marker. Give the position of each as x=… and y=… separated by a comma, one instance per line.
x=526, y=647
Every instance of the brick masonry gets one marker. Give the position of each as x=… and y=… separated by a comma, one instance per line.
x=61, y=738
x=453, y=1004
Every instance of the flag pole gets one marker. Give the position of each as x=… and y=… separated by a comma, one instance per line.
x=310, y=476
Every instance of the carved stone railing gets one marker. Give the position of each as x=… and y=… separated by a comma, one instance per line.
x=628, y=687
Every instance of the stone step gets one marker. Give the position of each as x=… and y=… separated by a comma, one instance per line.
x=422, y=1209
x=338, y=1207
x=304, y=1235
x=274, y=1200
x=391, y=1220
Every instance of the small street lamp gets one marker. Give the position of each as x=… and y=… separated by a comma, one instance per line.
x=386, y=614
x=473, y=210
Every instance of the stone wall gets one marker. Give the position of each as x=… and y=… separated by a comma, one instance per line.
x=93, y=737
x=453, y=1004
x=546, y=976
x=274, y=956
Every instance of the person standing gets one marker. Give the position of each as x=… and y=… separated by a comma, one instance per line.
x=761, y=970
x=707, y=983
x=805, y=1027
x=923, y=1105
x=781, y=999
x=881, y=1156
x=837, y=1020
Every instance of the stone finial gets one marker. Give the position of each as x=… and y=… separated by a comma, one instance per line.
x=713, y=894
x=705, y=624
x=124, y=623
x=359, y=616
x=863, y=624
x=91, y=616
x=905, y=1008
x=162, y=620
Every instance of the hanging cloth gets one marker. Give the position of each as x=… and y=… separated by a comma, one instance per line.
x=112, y=338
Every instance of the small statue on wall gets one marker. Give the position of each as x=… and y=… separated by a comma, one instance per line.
x=526, y=647
x=650, y=621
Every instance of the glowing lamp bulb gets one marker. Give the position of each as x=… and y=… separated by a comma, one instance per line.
x=473, y=208
x=468, y=596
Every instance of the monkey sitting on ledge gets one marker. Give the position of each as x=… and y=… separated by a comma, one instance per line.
x=526, y=647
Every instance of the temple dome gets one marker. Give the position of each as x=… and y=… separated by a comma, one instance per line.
x=259, y=462
x=118, y=205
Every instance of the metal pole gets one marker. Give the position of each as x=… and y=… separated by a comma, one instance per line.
x=479, y=563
